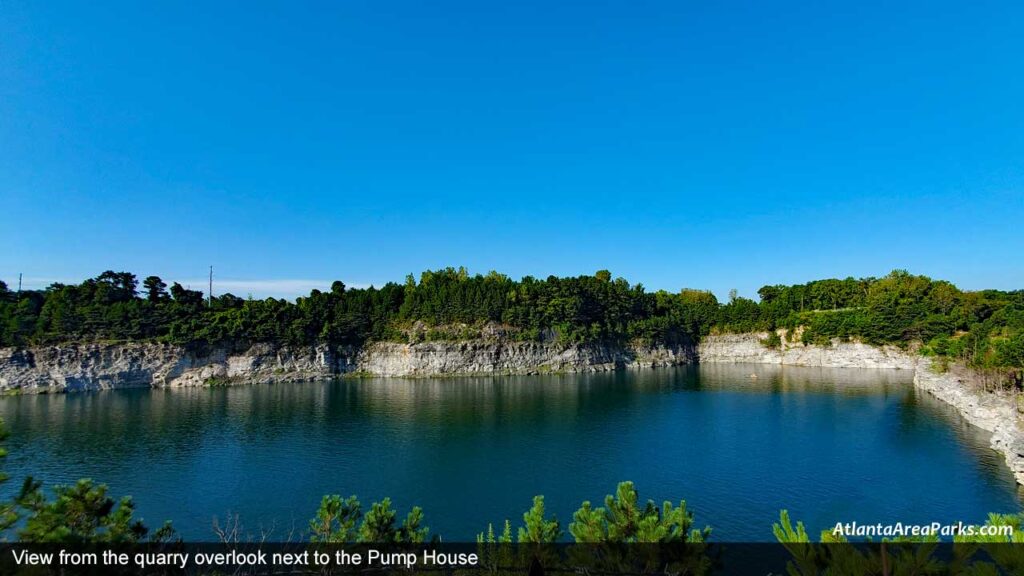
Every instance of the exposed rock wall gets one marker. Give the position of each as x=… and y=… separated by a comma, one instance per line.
x=995, y=412
x=433, y=358
x=104, y=366
x=735, y=348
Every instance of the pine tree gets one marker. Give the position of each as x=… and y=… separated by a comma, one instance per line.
x=335, y=520
x=622, y=520
x=538, y=529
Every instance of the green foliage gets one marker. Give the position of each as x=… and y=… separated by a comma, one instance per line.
x=341, y=520
x=156, y=289
x=413, y=530
x=450, y=303
x=379, y=525
x=82, y=512
x=773, y=340
x=336, y=520
x=798, y=544
x=8, y=510
x=621, y=520
x=973, y=554
x=536, y=528
x=489, y=538
x=983, y=329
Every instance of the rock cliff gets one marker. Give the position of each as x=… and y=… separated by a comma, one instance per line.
x=434, y=358
x=736, y=348
x=992, y=411
x=103, y=366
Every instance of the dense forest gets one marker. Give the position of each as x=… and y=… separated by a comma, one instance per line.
x=983, y=328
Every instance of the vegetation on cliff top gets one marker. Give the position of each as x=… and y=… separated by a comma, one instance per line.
x=984, y=329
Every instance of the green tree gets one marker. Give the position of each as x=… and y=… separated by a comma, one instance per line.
x=379, y=525
x=536, y=528
x=622, y=520
x=186, y=297
x=981, y=329
x=490, y=538
x=156, y=289
x=8, y=510
x=336, y=520
x=341, y=520
x=82, y=512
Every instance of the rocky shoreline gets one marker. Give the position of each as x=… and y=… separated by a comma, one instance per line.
x=993, y=411
x=84, y=367
x=98, y=366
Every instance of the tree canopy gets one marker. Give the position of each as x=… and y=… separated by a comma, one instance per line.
x=982, y=328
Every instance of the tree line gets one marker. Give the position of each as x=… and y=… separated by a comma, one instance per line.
x=981, y=328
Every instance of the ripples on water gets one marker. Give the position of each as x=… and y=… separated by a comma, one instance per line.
x=828, y=444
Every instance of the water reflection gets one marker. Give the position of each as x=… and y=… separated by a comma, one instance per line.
x=829, y=444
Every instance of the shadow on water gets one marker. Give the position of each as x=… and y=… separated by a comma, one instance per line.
x=924, y=414
x=739, y=442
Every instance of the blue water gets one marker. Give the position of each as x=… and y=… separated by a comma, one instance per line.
x=829, y=445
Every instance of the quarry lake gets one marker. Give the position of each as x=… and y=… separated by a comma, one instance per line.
x=830, y=445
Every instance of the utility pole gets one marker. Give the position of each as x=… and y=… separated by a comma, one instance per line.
x=209, y=300
x=19, y=282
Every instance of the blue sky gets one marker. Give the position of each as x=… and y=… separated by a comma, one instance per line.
x=702, y=144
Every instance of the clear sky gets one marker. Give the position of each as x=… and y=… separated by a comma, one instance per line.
x=677, y=143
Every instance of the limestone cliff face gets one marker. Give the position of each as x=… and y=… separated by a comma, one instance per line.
x=434, y=358
x=104, y=366
x=995, y=412
x=736, y=348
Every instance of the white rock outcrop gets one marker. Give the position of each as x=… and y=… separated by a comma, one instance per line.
x=104, y=366
x=992, y=411
x=81, y=367
x=736, y=348
x=435, y=358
